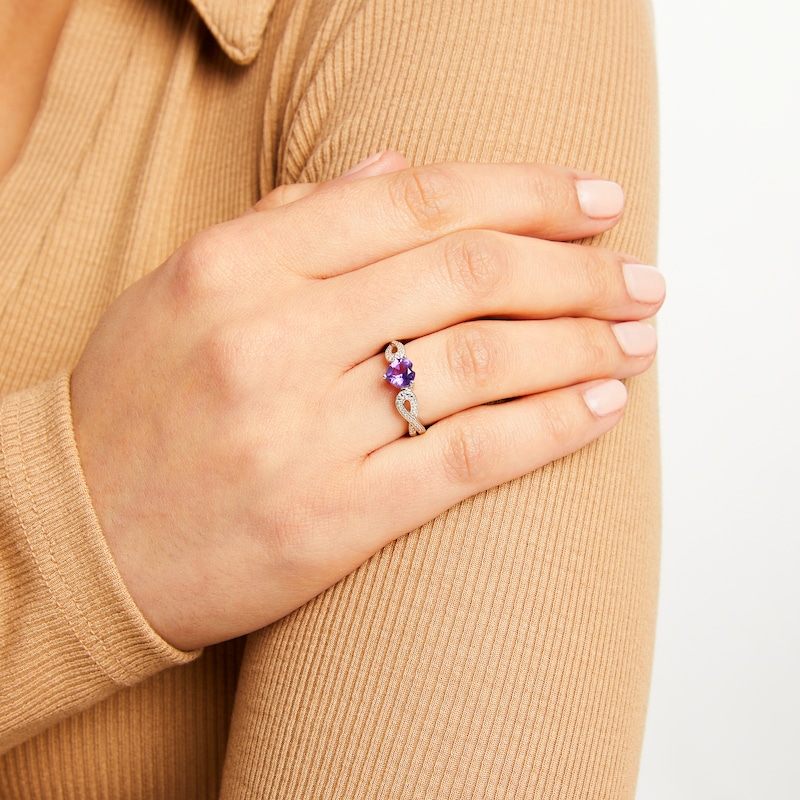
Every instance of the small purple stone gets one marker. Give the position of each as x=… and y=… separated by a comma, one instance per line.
x=399, y=373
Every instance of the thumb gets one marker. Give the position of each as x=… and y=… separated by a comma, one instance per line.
x=377, y=164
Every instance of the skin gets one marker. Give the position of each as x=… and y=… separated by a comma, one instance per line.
x=29, y=33
x=239, y=444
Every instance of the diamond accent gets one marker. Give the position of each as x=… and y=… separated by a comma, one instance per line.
x=409, y=414
x=394, y=350
x=400, y=374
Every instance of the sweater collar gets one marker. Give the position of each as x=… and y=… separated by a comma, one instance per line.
x=237, y=26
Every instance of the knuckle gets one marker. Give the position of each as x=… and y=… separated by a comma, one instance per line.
x=425, y=195
x=227, y=359
x=595, y=353
x=475, y=355
x=547, y=192
x=470, y=454
x=595, y=266
x=475, y=263
x=238, y=360
x=557, y=425
x=197, y=270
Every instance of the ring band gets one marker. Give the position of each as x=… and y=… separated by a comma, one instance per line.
x=400, y=375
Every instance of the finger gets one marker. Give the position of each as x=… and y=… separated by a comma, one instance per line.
x=379, y=164
x=419, y=478
x=367, y=220
x=474, y=274
x=478, y=362
x=284, y=195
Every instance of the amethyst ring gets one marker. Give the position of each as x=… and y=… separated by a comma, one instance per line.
x=400, y=375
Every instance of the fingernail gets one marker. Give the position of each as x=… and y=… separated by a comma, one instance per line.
x=606, y=398
x=635, y=338
x=645, y=284
x=600, y=199
x=367, y=162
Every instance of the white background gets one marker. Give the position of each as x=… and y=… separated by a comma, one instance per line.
x=724, y=717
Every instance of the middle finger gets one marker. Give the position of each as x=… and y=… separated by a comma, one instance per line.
x=475, y=274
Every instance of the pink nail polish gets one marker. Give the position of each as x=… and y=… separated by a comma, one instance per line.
x=645, y=284
x=600, y=199
x=606, y=398
x=635, y=338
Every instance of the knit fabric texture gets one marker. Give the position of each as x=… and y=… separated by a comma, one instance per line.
x=501, y=651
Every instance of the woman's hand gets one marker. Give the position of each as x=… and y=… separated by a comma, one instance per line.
x=240, y=445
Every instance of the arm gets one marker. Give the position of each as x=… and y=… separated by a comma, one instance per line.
x=170, y=406
x=71, y=635
x=502, y=650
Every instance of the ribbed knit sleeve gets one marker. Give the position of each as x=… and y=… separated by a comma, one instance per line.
x=503, y=650
x=71, y=634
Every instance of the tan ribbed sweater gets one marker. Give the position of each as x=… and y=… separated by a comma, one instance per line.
x=504, y=650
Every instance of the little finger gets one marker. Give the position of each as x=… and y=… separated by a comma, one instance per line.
x=472, y=451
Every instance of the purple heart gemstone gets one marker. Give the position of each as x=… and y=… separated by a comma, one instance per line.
x=399, y=373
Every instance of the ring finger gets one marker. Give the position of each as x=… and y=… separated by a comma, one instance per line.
x=477, y=362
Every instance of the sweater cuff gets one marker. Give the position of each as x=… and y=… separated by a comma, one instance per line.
x=41, y=469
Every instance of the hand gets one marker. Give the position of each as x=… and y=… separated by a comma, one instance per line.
x=240, y=446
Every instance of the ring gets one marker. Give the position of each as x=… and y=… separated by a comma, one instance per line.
x=400, y=375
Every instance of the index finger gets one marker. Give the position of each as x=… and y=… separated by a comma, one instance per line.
x=340, y=228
